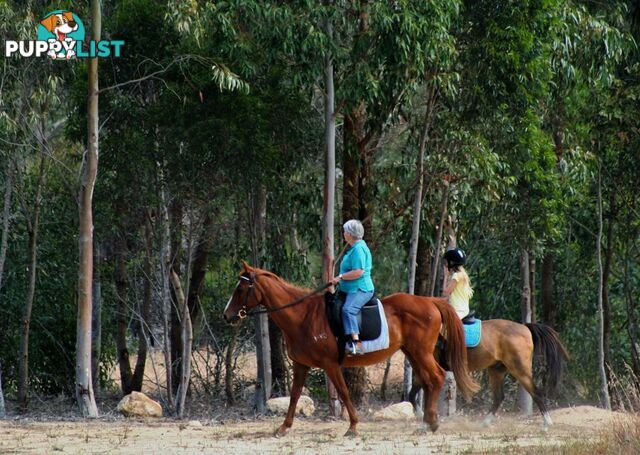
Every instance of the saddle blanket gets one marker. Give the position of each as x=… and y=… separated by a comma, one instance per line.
x=382, y=342
x=472, y=333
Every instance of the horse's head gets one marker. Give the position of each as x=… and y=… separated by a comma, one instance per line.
x=245, y=296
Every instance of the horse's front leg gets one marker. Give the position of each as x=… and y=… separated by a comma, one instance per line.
x=335, y=375
x=299, y=376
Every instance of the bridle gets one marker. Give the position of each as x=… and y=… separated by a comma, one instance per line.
x=243, y=313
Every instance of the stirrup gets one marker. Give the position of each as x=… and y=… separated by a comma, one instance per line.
x=354, y=348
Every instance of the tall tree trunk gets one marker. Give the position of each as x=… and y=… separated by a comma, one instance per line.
x=96, y=321
x=547, y=291
x=424, y=267
x=6, y=216
x=357, y=203
x=175, y=264
x=525, y=400
x=33, y=225
x=606, y=304
x=121, y=285
x=144, y=311
x=187, y=337
x=350, y=173
x=278, y=366
x=167, y=296
x=84, y=387
x=604, y=387
x=436, y=253
x=415, y=225
x=329, y=190
x=263, y=349
x=228, y=365
x=199, y=269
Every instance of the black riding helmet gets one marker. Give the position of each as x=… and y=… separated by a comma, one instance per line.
x=455, y=257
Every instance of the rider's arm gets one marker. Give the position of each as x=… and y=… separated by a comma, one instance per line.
x=450, y=286
x=350, y=275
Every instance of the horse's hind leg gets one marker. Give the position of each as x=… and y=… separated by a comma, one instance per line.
x=496, y=381
x=432, y=376
x=413, y=394
x=299, y=375
x=521, y=369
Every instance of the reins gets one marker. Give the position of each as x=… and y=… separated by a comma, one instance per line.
x=243, y=311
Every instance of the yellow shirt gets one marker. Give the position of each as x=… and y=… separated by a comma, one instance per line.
x=462, y=292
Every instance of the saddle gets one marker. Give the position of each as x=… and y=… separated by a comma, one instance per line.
x=472, y=330
x=369, y=321
x=470, y=318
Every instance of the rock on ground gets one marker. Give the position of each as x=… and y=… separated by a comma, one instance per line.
x=398, y=411
x=137, y=404
x=280, y=405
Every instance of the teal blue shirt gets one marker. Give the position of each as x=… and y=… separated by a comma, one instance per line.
x=357, y=257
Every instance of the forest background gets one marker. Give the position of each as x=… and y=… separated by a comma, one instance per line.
x=520, y=118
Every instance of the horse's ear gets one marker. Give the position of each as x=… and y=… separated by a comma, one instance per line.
x=247, y=267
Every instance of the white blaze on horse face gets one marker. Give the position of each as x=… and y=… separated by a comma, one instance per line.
x=231, y=298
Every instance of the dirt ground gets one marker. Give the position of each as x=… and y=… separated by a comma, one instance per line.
x=460, y=434
x=51, y=431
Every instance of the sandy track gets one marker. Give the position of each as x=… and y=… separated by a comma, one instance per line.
x=308, y=435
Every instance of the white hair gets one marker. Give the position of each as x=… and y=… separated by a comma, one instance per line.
x=354, y=228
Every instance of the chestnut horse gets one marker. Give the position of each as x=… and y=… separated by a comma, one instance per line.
x=511, y=346
x=414, y=324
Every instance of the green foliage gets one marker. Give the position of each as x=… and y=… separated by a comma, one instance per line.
x=212, y=100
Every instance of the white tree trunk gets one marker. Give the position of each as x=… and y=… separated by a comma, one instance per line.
x=604, y=386
x=84, y=386
x=263, y=346
x=524, y=399
x=328, y=258
x=187, y=342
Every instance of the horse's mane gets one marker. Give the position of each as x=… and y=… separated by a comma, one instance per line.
x=285, y=285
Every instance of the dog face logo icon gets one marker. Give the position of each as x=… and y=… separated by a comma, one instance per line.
x=61, y=36
x=62, y=29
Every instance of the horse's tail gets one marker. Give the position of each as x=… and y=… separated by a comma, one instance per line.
x=547, y=344
x=456, y=350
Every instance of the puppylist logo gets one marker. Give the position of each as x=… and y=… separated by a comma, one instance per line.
x=61, y=36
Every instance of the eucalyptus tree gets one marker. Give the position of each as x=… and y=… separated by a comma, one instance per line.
x=84, y=383
x=31, y=117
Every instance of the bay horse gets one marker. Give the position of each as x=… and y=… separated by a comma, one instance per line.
x=507, y=346
x=414, y=324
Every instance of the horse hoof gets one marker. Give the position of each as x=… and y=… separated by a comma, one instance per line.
x=434, y=426
x=280, y=433
x=351, y=433
x=486, y=422
x=422, y=429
